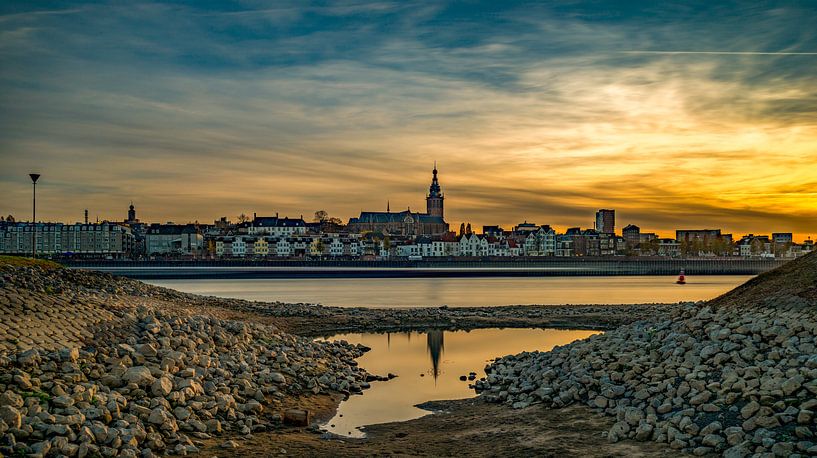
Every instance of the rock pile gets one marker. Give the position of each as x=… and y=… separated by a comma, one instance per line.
x=149, y=381
x=737, y=376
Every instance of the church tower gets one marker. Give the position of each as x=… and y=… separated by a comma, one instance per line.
x=434, y=200
x=131, y=214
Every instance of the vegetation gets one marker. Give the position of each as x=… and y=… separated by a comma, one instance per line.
x=20, y=261
x=322, y=216
x=43, y=397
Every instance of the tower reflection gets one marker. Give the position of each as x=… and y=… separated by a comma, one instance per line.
x=436, y=346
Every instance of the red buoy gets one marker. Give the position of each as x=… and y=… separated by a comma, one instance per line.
x=681, y=279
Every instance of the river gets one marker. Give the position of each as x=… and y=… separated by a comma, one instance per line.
x=463, y=292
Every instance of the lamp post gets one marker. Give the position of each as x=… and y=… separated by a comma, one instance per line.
x=34, y=178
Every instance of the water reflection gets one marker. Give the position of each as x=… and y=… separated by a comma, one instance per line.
x=429, y=369
x=435, y=350
x=459, y=292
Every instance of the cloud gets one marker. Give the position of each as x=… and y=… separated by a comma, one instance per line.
x=533, y=112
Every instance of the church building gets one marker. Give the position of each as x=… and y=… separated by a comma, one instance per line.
x=407, y=223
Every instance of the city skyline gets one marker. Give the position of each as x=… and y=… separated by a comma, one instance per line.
x=672, y=115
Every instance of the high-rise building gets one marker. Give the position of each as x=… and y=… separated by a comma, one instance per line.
x=606, y=221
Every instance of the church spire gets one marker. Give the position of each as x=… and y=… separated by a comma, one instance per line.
x=434, y=189
x=388, y=206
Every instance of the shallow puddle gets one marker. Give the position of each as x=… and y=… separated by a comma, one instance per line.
x=429, y=366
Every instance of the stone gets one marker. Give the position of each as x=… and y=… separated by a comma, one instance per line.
x=713, y=440
x=749, y=409
x=229, y=444
x=161, y=387
x=69, y=354
x=296, y=417
x=62, y=401
x=28, y=358
x=644, y=432
x=11, y=416
x=10, y=398
x=139, y=375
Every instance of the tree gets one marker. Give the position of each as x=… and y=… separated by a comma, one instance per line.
x=321, y=216
x=10, y=219
x=242, y=218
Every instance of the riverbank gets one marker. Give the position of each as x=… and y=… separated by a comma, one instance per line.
x=95, y=364
x=735, y=376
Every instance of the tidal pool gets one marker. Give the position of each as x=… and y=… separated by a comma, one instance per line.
x=428, y=366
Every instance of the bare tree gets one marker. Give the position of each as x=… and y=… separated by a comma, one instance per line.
x=321, y=216
x=242, y=218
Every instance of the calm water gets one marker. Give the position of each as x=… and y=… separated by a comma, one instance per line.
x=462, y=292
x=429, y=366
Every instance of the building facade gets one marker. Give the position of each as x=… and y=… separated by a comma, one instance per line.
x=174, y=240
x=101, y=240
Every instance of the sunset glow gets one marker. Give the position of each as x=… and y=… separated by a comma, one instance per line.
x=534, y=113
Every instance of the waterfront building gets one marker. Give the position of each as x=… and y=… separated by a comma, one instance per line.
x=473, y=245
x=275, y=226
x=493, y=231
x=523, y=229
x=585, y=242
x=669, y=247
x=606, y=221
x=607, y=244
x=541, y=242
x=632, y=235
x=703, y=235
x=407, y=223
x=174, y=240
x=99, y=240
x=564, y=245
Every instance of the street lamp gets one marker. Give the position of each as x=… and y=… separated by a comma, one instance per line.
x=34, y=178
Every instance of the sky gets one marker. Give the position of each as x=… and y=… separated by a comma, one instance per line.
x=677, y=115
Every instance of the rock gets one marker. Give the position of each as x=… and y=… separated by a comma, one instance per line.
x=229, y=445
x=11, y=416
x=277, y=377
x=643, y=432
x=161, y=387
x=139, y=375
x=28, y=358
x=63, y=401
x=749, y=409
x=23, y=381
x=296, y=417
x=69, y=354
x=10, y=398
x=713, y=440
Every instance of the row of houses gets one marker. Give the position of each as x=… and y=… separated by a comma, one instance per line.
x=264, y=237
